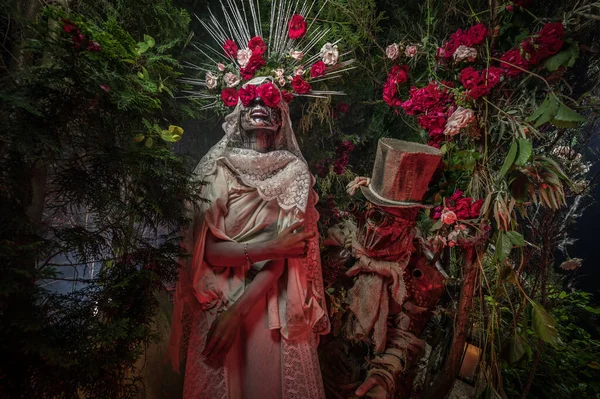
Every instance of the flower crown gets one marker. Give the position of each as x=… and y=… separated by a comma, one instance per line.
x=284, y=55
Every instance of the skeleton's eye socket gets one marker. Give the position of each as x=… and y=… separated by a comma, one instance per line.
x=376, y=217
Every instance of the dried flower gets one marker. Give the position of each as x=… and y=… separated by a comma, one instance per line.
x=296, y=54
x=571, y=264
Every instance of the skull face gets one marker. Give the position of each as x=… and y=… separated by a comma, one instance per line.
x=258, y=116
x=387, y=233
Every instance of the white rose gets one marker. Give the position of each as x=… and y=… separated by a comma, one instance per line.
x=392, y=51
x=410, y=51
x=221, y=67
x=330, y=54
x=211, y=80
x=464, y=53
x=460, y=118
x=297, y=55
x=279, y=76
x=243, y=56
x=231, y=79
x=299, y=70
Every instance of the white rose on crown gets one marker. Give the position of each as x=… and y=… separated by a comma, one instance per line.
x=330, y=54
x=211, y=80
x=243, y=57
x=231, y=79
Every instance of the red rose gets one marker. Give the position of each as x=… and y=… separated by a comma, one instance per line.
x=456, y=196
x=269, y=94
x=342, y=107
x=555, y=30
x=469, y=77
x=476, y=209
x=317, y=69
x=247, y=94
x=456, y=39
x=390, y=95
x=463, y=208
x=437, y=212
x=257, y=45
x=254, y=64
x=287, y=96
x=513, y=57
x=229, y=97
x=398, y=74
x=426, y=98
x=434, y=122
x=300, y=86
x=94, y=46
x=69, y=26
x=297, y=27
x=476, y=35
x=230, y=48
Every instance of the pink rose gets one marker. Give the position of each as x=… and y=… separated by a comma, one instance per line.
x=392, y=51
x=464, y=53
x=410, y=51
x=448, y=217
x=243, y=57
x=459, y=119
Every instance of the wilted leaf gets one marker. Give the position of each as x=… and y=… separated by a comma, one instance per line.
x=544, y=325
x=503, y=246
x=139, y=138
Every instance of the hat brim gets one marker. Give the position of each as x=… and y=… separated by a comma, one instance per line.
x=378, y=200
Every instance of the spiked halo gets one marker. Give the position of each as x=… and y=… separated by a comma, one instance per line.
x=289, y=53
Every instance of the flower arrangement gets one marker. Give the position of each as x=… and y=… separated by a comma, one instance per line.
x=287, y=58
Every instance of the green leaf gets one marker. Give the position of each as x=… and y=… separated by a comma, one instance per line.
x=525, y=150
x=142, y=47
x=566, y=117
x=545, y=112
x=138, y=138
x=564, y=58
x=515, y=238
x=149, y=41
x=147, y=123
x=149, y=142
x=544, y=325
x=503, y=246
x=517, y=348
x=510, y=159
x=437, y=225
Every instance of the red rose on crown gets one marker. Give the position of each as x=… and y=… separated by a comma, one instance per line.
x=229, y=97
x=230, y=48
x=297, y=27
x=254, y=64
x=269, y=94
x=317, y=69
x=300, y=86
x=390, y=94
x=247, y=94
x=257, y=45
x=287, y=96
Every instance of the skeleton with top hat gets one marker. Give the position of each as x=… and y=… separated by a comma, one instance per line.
x=393, y=284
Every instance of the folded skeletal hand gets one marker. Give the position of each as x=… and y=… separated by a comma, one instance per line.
x=356, y=183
